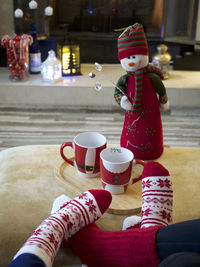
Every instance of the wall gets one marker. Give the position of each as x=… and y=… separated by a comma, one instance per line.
x=6, y=17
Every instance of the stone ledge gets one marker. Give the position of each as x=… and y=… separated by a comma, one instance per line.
x=183, y=89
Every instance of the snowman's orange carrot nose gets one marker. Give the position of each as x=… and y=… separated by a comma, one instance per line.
x=131, y=64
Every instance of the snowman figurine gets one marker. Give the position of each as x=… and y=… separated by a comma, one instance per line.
x=144, y=96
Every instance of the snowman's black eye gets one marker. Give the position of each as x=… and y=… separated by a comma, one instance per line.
x=128, y=57
x=133, y=56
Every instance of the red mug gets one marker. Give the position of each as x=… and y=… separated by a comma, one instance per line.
x=87, y=147
x=116, y=168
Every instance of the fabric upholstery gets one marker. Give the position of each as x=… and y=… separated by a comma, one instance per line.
x=28, y=189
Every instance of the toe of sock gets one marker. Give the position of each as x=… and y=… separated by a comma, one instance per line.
x=153, y=168
x=132, y=222
x=103, y=198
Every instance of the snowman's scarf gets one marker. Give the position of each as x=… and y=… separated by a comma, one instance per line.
x=138, y=84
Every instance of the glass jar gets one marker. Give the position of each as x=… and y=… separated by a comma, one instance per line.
x=17, y=54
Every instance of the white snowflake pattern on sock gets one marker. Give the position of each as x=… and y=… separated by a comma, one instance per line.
x=46, y=239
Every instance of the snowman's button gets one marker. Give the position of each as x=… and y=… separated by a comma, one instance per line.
x=115, y=181
x=115, y=176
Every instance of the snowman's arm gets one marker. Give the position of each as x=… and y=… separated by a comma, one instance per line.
x=122, y=83
x=159, y=87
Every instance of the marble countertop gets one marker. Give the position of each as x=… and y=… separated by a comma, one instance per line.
x=178, y=79
x=183, y=88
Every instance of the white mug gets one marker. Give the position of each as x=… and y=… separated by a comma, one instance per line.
x=87, y=147
x=116, y=167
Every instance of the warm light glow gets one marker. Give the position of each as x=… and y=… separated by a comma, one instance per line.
x=66, y=60
x=51, y=68
x=51, y=73
x=69, y=55
x=66, y=63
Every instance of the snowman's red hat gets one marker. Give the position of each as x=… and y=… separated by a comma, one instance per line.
x=132, y=41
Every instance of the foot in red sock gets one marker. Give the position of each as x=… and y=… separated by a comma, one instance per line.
x=157, y=198
x=65, y=222
x=98, y=248
x=157, y=195
x=136, y=246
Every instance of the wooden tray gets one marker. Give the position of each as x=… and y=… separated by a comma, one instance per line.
x=124, y=204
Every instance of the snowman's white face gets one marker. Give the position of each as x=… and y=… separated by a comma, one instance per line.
x=133, y=63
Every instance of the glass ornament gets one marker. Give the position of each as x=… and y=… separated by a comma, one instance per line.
x=97, y=86
x=98, y=66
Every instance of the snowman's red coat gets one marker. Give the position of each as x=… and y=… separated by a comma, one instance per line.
x=142, y=131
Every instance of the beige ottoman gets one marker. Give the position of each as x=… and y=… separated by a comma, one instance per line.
x=28, y=189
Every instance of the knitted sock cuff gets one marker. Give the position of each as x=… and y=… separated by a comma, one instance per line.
x=157, y=201
x=45, y=240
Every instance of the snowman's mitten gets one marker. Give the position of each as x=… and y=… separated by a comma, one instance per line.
x=165, y=106
x=125, y=103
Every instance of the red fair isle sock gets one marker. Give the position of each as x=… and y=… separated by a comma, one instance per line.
x=134, y=247
x=157, y=198
x=157, y=195
x=83, y=210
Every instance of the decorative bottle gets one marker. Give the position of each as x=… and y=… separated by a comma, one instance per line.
x=34, y=54
x=161, y=59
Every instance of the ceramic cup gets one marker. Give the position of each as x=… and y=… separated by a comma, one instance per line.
x=116, y=168
x=87, y=147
